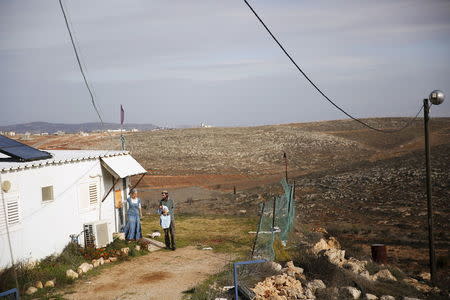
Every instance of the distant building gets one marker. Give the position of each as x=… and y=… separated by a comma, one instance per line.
x=11, y=133
x=81, y=133
x=204, y=125
x=60, y=132
x=134, y=130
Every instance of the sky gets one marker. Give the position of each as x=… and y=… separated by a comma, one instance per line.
x=184, y=62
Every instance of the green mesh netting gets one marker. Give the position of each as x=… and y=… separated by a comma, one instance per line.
x=271, y=228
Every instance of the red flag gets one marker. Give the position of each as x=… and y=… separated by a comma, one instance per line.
x=122, y=115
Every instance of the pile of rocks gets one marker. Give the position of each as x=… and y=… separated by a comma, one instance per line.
x=38, y=285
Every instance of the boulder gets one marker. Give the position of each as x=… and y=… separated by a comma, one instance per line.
x=101, y=260
x=315, y=285
x=113, y=259
x=125, y=250
x=349, y=292
x=333, y=243
x=319, y=246
x=387, y=297
x=95, y=263
x=366, y=275
x=84, y=268
x=275, y=266
x=50, y=283
x=409, y=298
x=354, y=265
x=38, y=285
x=119, y=235
x=31, y=290
x=334, y=256
x=421, y=287
x=71, y=274
x=384, y=274
x=370, y=297
x=137, y=247
x=425, y=276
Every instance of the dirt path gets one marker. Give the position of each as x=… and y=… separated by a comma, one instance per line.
x=158, y=275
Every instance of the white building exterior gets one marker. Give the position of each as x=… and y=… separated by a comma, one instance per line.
x=43, y=202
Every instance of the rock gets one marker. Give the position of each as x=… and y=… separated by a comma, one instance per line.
x=384, y=274
x=119, y=235
x=334, y=256
x=155, y=234
x=349, y=292
x=275, y=266
x=309, y=294
x=71, y=274
x=95, y=263
x=366, y=275
x=425, y=276
x=279, y=286
x=101, y=260
x=113, y=259
x=106, y=261
x=125, y=250
x=31, y=290
x=50, y=283
x=387, y=297
x=315, y=285
x=333, y=243
x=354, y=265
x=319, y=246
x=38, y=285
x=84, y=268
x=138, y=248
x=409, y=298
x=370, y=297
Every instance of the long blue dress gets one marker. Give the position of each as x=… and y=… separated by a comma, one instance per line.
x=133, y=229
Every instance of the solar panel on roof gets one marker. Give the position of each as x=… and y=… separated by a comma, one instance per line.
x=21, y=151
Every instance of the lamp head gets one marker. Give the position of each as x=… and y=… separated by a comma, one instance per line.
x=436, y=97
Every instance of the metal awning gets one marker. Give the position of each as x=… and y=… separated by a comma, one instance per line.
x=122, y=166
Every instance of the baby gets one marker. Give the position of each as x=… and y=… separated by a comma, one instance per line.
x=164, y=219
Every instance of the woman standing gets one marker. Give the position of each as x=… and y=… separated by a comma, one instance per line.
x=133, y=229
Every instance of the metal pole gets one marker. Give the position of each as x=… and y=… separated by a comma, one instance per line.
x=8, y=235
x=273, y=220
x=285, y=164
x=426, y=109
x=259, y=228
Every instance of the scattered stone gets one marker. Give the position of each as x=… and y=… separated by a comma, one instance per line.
x=387, y=297
x=384, y=274
x=409, y=298
x=71, y=274
x=274, y=287
x=155, y=234
x=119, y=235
x=38, y=285
x=101, y=260
x=370, y=297
x=84, y=268
x=138, y=248
x=95, y=263
x=125, y=250
x=207, y=248
x=315, y=285
x=354, y=265
x=349, y=292
x=319, y=246
x=243, y=211
x=113, y=259
x=425, y=276
x=275, y=266
x=366, y=275
x=50, y=283
x=334, y=256
x=309, y=294
x=31, y=290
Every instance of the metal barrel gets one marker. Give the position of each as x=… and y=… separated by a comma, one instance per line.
x=379, y=253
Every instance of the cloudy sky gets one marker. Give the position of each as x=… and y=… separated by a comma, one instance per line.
x=189, y=61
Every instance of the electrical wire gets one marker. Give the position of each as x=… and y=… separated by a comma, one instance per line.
x=79, y=63
x=319, y=90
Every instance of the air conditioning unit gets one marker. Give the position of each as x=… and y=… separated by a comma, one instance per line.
x=96, y=234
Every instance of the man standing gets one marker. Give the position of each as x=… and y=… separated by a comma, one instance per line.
x=169, y=235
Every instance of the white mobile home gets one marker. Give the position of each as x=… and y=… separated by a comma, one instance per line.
x=44, y=201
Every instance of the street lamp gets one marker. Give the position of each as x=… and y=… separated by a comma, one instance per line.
x=436, y=97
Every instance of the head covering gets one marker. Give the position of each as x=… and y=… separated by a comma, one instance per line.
x=133, y=191
x=164, y=192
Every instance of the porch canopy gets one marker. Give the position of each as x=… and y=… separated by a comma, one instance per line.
x=122, y=166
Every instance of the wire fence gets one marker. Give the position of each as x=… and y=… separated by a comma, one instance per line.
x=276, y=222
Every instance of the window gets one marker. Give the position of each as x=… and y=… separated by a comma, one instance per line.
x=12, y=213
x=47, y=193
x=88, y=194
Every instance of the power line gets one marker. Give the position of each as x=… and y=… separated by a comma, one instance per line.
x=79, y=63
x=319, y=90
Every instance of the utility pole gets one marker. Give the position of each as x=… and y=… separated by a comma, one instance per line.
x=436, y=97
x=286, y=165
